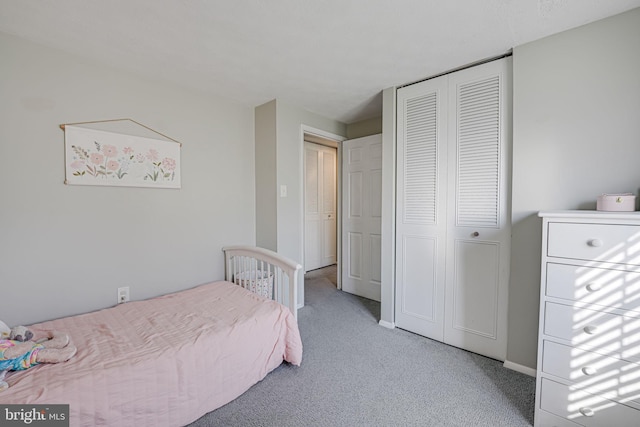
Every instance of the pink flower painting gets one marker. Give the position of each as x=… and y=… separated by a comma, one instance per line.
x=168, y=164
x=103, y=165
x=78, y=164
x=162, y=171
x=152, y=155
x=109, y=150
x=96, y=158
x=112, y=165
x=103, y=159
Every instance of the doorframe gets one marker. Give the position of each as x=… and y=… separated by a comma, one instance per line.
x=305, y=129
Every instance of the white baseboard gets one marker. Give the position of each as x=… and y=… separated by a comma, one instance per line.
x=388, y=325
x=520, y=368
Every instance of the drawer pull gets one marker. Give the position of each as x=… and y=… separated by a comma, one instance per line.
x=587, y=412
x=590, y=329
x=595, y=243
x=592, y=287
x=589, y=370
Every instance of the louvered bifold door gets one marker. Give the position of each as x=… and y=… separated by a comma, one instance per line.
x=421, y=207
x=478, y=232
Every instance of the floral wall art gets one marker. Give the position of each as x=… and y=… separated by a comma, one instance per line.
x=97, y=157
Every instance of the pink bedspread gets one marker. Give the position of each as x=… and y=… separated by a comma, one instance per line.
x=162, y=362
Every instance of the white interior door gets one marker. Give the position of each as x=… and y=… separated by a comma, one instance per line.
x=320, y=238
x=361, y=220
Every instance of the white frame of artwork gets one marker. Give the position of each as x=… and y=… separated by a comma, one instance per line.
x=98, y=157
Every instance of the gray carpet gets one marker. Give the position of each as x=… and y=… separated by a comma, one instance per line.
x=357, y=373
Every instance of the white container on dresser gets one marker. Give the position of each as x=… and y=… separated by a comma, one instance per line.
x=589, y=331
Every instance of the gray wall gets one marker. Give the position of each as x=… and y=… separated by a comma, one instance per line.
x=290, y=120
x=366, y=127
x=388, y=220
x=288, y=164
x=66, y=249
x=266, y=179
x=576, y=134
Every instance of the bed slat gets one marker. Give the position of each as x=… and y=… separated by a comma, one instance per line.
x=246, y=263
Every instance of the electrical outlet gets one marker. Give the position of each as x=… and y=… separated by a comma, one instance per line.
x=123, y=294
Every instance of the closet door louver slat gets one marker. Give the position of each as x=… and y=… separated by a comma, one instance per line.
x=477, y=192
x=420, y=166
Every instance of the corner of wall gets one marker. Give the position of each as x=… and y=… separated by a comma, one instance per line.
x=265, y=184
x=388, y=128
x=367, y=127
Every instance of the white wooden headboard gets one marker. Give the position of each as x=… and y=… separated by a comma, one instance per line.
x=246, y=263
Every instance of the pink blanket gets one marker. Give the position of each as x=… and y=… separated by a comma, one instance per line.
x=162, y=362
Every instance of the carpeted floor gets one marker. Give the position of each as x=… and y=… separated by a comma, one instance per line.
x=357, y=373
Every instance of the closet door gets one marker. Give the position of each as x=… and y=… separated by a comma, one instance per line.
x=421, y=207
x=453, y=219
x=479, y=231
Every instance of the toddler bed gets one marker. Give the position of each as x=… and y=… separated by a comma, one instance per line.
x=169, y=360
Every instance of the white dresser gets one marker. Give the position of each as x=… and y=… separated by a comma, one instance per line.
x=589, y=330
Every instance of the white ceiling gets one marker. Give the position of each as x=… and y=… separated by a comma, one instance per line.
x=332, y=57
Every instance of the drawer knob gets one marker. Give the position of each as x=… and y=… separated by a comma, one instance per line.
x=587, y=412
x=592, y=287
x=595, y=243
x=589, y=370
x=590, y=329
x=475, y=234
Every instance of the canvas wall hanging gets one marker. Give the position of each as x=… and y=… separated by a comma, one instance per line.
x=121, y=153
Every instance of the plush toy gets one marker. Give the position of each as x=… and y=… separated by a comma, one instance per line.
x=17, y=333
x=18, y=355
x=20, y=333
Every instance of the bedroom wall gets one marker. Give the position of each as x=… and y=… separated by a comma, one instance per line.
x=266, y=179
x=290, y=149
x=66, y=249
x=576, y=125
x=286, y=159
x=365, y=127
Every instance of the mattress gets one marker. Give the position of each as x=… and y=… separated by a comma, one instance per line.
x=164, y=361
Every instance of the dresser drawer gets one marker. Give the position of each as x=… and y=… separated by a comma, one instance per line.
x=547, y=419
x=602, y=286
x=599, y=242
x=609, y=377
x=584, y=408
x=616, y=335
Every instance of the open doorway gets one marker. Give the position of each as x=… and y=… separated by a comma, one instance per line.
x=342, y=226
x=321, y=207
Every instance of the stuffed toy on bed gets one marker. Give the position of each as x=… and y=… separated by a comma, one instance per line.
x=18, y=352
